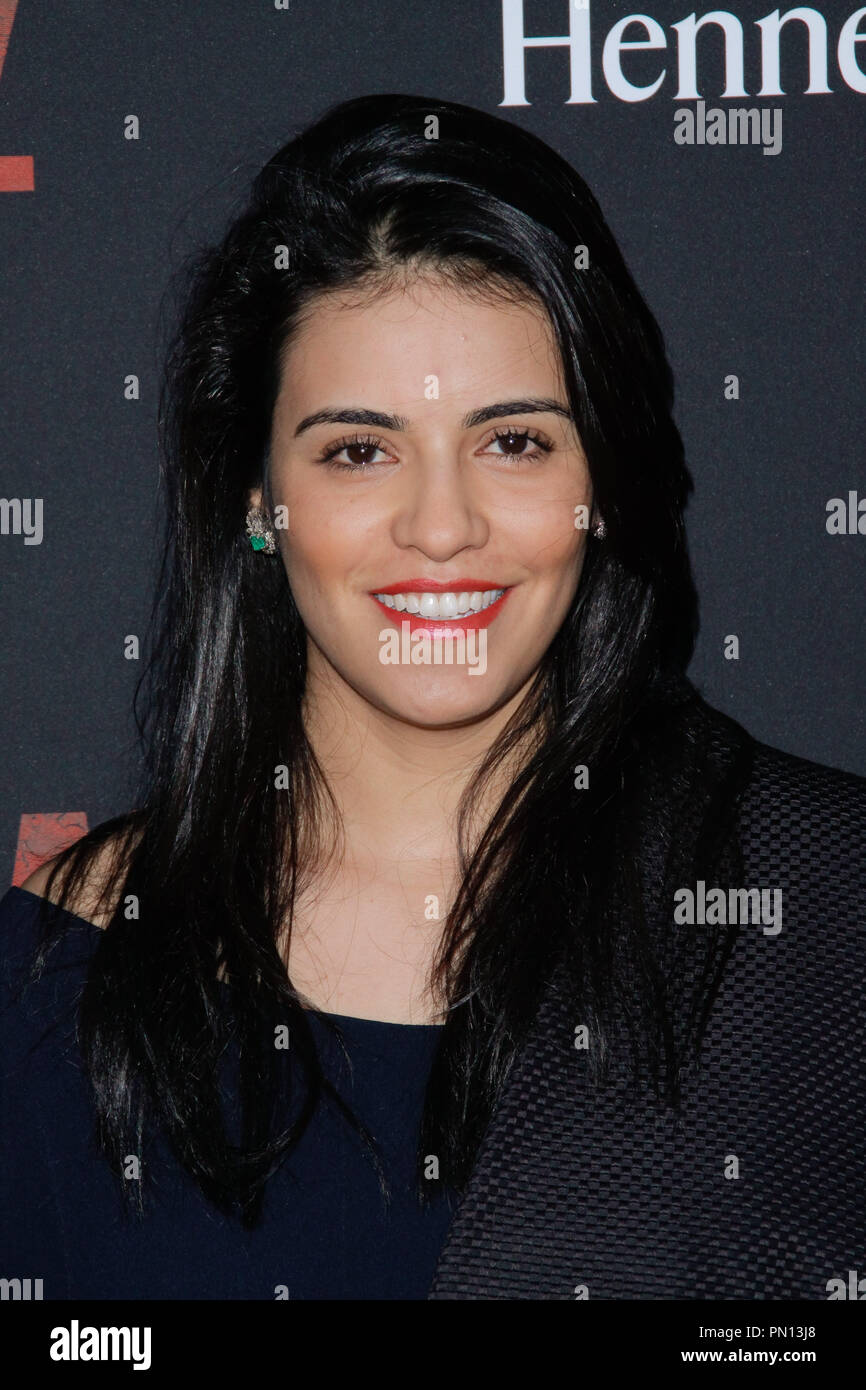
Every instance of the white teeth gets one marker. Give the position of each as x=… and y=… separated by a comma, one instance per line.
x=430, y=605
x=447, y=607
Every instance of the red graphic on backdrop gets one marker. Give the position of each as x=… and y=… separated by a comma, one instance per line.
x=16, y=170
x=43, y=834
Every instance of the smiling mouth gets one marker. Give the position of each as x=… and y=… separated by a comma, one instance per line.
x=441, y=607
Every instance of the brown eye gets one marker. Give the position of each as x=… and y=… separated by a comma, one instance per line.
x=523, y=445
x=513, y=443
x=361, y=454
x=353, y=455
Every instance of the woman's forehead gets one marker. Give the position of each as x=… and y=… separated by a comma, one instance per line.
x=403, y=338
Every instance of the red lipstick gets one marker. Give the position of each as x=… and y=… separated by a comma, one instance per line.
x=437, y=627
x=438, y=586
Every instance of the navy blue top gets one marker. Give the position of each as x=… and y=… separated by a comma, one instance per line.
x=325, y=1231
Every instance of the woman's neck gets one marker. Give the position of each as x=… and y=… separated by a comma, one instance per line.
x=397, y=785
x=373, y=900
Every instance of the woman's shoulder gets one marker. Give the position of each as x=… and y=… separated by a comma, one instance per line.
x=84, y=901
x=90, y=894
x=51, y=903
x=780, y=788
x=802, y=943
x=806, y=809
x=31, y=997
x=800, y=832
x=796, y=775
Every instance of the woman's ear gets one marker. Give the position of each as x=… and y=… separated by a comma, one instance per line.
x=254, y=497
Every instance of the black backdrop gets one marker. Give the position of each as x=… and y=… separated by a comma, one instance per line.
x=753, y=264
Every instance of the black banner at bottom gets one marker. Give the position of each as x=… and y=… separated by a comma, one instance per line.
x=225, y=1339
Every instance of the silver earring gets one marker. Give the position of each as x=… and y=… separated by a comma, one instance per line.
x=599, y=530
x=260, y=534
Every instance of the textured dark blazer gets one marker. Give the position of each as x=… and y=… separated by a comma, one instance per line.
x=757, y=1187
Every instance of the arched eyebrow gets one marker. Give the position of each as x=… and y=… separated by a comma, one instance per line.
x=357, y=415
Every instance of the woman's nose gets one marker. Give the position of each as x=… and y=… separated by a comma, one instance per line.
x=440, y=508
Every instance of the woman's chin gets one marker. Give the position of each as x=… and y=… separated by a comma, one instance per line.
x=441, y=701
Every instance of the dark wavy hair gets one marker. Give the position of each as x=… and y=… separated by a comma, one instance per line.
x=182, y=1000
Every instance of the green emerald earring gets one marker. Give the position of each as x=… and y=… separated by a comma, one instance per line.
x=259, y=531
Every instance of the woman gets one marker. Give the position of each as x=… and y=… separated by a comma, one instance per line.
x=456, y=948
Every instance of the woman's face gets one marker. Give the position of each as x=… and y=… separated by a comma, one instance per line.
x=423, y=450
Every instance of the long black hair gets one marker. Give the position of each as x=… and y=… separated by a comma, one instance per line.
x=187, y=980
